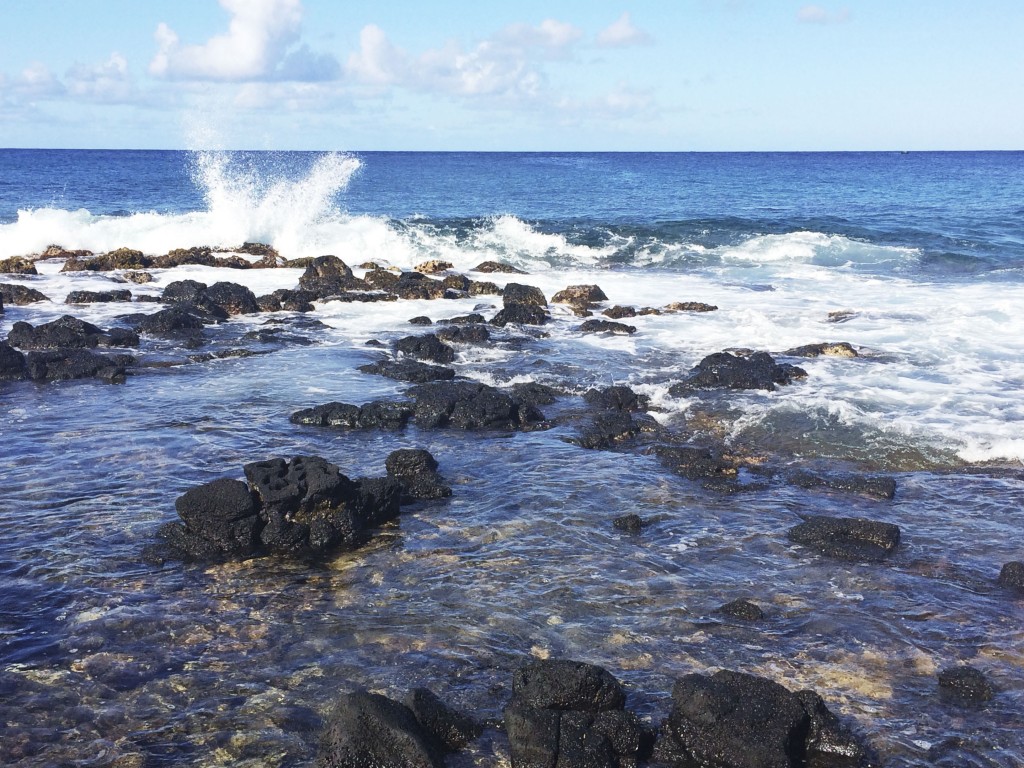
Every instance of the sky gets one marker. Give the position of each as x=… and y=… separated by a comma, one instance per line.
x=558, y=75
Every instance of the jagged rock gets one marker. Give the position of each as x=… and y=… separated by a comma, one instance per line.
x=581, y=298
x=367, y=730
x=1011, y=575
x=433, y=267
x=874, y=486
x=329, y=275
x=696, y=463
x=631, y=523
x=287, y=300
x=727, y=371
x=408, y=370
x=458, y=283
x=965, y=685
x=464, y=334
x=414, y=286
x=200, y=255
x=607, y=326
x=97, y=297
x=181, y=319
x=520, y=314
x=736, y=720
x=416, y=470
x=617, y=398
x=12, y=363
x=742, y=609
x=473, y=318
x=375, y=415
x=617, y=312
x=690, y=306
x=67, y=332
x=517, y=293
x=59, y=252
x=269, y=257
x=534, y=393
x=122, y=258
x=568, y=714
x=453, y=730
x=426, y=347
x=606, y=429
x=19, y=295
x=65, y=364
x=469, y=405
x=18, y=265
x=223, y=514
x=847, y=538
x=827, y=349
x=483, y=288
x=222, y=299
x=381, y=279
x=497, y=266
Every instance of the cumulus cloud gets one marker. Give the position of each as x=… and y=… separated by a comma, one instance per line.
x=506, y=65
x=815, y=14
x=257, y=46
x=36, y=81
x=622, y=33
x=109, y=81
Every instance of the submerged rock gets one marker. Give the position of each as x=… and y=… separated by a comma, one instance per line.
x=742, y=609
x=569, y=714
x=451, y=729
x=827, y=349
x=375, y=415
x=631, y=523
x=874, y=486
x=847, y=538
x=736, y=720
x=965, y=685
x=695, y=462
x=416, y=470
x=724, y=370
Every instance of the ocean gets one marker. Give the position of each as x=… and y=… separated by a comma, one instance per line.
x=915, y=260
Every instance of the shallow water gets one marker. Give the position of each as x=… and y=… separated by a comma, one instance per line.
x=108, y=661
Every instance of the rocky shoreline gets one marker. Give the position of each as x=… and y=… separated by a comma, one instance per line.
x=561, y=713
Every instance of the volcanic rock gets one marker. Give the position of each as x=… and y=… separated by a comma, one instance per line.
x=874, y=486
x=97, y=297
x=827, y=349
x=736, y=720
x=18, y=265
x=1012, y=575
x=408, y=370
x=416, y=470
x=19, y=295
x=12, y=363
x=617, y=312
x=452, y=729
x=470, y=406
x=742, y=609
x=847, y=538
x=723, y=370
x=426, y=347
x=497, y=266
x=464, y=334
x=965, y=685
x=607, y=326
x=374, y=415
x=690, y=306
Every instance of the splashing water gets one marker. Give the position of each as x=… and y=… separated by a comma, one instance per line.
x=252, y=204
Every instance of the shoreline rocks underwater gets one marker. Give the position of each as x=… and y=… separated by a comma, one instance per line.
x=305, y=510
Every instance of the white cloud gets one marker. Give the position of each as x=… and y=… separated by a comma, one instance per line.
x=503, y=66
x=255, y=47
x=36, y=81
x=108, y=82
x=622, y=33
x=815, y=14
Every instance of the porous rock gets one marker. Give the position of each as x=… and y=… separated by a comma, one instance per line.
x=724, y=370
x=518, y=293
x=581, y=298
x=826, y=349
x=696, y=462
x=97, y=297
x=520, y=314
x=1011, y=575
x=409, y=370
x=618, y=312
x=965, y=685
x=434, y=266
x=426, y=347
x=329, y=275
x=631, y=523
x=19, y=295
x=690, y=306
x=464, y=334
x=742, y=608
x=736, y=720
x=377, y=414
x=569, y=714
x=497, y=266
x=67, y=332
x=416, y=470
x=469, y=405
x=847, y=538
x=66, y=364
x=607, y=326
x=18, y=265
x=451, y=729
x=368, y=730
x=12, y=363
x=873, y=486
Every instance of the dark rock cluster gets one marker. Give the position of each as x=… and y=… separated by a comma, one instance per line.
x=301, y=506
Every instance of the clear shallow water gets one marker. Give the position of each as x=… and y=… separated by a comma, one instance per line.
x=106, y=661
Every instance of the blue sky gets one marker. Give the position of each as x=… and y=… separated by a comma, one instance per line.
x=555, y=75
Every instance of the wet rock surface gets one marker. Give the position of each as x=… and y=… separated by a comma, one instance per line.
x=97, y=297
x=409, y=370
x=724, y=370
x=965, y=685
x=847, y=538
x=19, y=295
x=737, y=720
x=1011, y=575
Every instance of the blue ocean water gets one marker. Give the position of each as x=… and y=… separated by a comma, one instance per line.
x=914, y=259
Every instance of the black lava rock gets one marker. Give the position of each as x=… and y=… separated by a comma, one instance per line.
x=65, y=332
x=426, y=347
x=696, y=463
x=409, y=370
x=736, y=720
x=19, y=295
x=452, y=729
x=97, y=297
x=873, y=486
x=520, y=314
x=630, y=523
x=367, y=730
x=965, y=685
x=12, y=363
x=416, y=470
x=469, y=405
x=723, y=370
x=742, y=609
x=607, y=326
x=1011, y=575
x=65, y=364
x=223, y=514
x=847, y=538
x=465, y=334
x=617, y=398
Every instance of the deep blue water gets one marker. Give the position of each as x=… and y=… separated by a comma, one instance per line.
x=964, y=210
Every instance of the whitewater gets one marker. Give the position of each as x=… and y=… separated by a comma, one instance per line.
x=916, y=261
